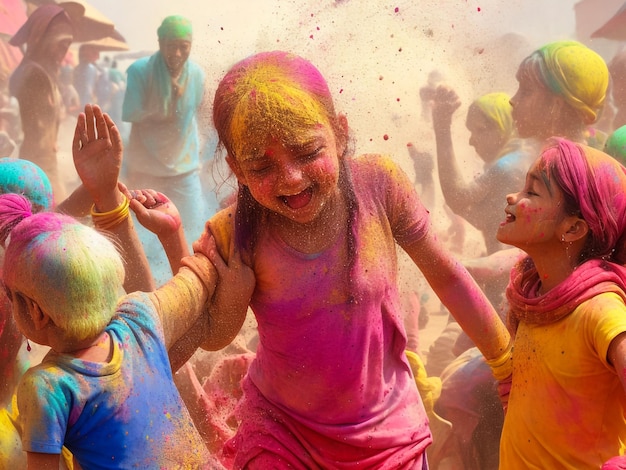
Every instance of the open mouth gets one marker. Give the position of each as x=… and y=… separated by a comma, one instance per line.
x=509, y=217
x=297, y=201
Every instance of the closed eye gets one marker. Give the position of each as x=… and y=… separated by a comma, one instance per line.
x=261, y=169
x=312, y=155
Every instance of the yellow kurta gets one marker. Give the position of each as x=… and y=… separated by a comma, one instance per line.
x=567, y=404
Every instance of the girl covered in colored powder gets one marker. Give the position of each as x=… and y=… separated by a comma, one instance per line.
x=105, y=390
x=330, y=386
x=23, y=177
x=567, y=312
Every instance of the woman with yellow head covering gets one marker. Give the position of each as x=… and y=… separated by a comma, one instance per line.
x=490, y=123
x=562, y=90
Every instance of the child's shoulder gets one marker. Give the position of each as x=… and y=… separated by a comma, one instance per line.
x=375, y=166
x=222, y=227
x=43, y=376
x=137, y=311
x=375, y=162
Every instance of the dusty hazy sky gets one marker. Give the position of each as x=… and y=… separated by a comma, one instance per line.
x=375, y=54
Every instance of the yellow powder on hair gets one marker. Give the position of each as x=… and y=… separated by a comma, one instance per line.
x=271, y=106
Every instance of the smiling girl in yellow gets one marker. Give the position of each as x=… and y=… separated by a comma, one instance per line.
x=567, y=312
x=330, y=386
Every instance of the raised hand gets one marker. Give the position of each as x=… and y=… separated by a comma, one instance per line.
x=445, y=102
x=97, y=152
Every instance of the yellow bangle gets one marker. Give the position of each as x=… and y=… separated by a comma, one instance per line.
x=112, y=218
x=502, y=366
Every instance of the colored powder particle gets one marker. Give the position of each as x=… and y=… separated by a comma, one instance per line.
x=380, y=77
x=396, y=9
x=397, y=99
x=311, y=36
x=341, y=91
x=386, y=137
x=478, y=9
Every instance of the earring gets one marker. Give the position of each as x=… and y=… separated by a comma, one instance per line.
x=28, y=348
x=563, y=237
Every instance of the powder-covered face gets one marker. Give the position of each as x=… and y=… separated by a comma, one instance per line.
x=175, y=53
x=532, y=107
x=294, y=178
x=485, y=135
x=534, y=215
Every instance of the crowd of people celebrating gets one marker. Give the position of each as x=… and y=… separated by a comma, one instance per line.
x=141, y=329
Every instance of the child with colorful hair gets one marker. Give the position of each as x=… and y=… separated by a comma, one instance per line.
x=330, y=385
x=567, y=312
x=105, y=390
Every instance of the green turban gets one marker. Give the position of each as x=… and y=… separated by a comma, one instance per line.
x=175, y=27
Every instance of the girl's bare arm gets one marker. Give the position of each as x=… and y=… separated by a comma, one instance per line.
x=461, y=295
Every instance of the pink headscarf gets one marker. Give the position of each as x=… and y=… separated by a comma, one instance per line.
x=594, y=184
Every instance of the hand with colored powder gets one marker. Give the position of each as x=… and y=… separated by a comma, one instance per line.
x=445, y=102
x=155, y=211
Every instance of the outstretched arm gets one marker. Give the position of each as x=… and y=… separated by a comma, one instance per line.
x=97, y=153
x=229, y=305
x=38, y=461
x=493, y=267
x=461, y=295
x=458, y=193
x=222, y=290
x=157, y=213
x=76, y=204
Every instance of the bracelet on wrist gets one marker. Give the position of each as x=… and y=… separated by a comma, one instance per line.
x=110, y=219
x=502, y=366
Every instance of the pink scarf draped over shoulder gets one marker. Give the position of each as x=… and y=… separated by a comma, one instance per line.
x=591, y=278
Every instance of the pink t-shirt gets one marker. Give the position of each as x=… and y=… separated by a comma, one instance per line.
x=330, y=386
